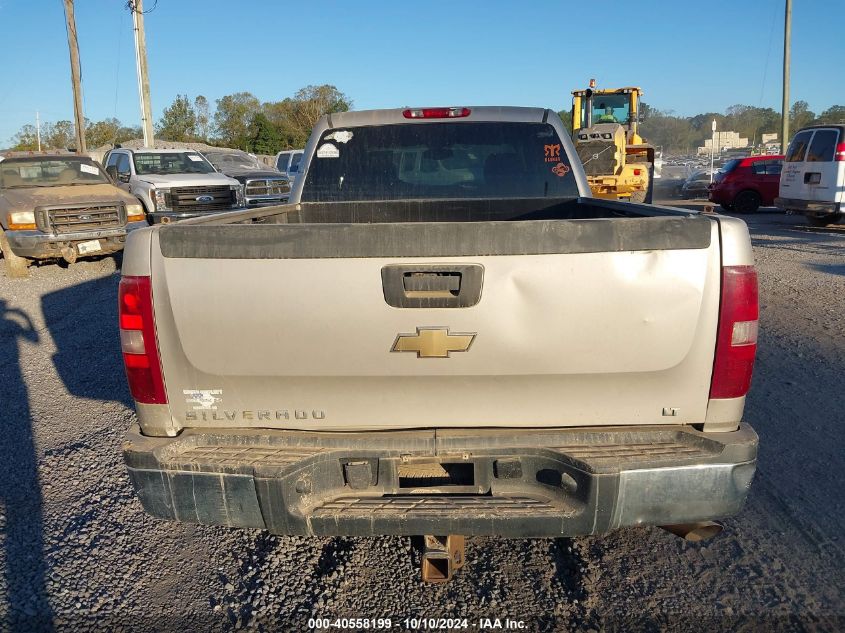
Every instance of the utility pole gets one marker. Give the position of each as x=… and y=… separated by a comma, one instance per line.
x=787, y=35
x=76, y=78
x=38, y=129
x=137, y=8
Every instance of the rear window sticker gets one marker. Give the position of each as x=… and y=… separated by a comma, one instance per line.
x=552, y=153
x=327, y=150
x=341, y=136
x=195, y=158
x=89, y=169
x=560, y=170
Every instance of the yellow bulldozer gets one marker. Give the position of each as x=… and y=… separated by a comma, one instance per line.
x=618, y=162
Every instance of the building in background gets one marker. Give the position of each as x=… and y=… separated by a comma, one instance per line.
x=770, y=144
x=724, y=140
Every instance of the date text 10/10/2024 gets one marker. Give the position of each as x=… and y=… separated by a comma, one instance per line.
x=416, y=624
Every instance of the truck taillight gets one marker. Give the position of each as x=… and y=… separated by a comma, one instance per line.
x=138, y=340
x=736, y=341
x=435, y=113
x=840, y=152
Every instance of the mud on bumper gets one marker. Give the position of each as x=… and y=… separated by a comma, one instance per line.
x=38, y=245
x=511, y=483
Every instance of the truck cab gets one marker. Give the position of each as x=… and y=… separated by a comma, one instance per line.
x=288, y=162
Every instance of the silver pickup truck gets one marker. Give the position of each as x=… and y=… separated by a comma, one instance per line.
x=443, y=334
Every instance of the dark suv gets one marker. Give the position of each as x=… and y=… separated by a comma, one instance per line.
x=745, y=184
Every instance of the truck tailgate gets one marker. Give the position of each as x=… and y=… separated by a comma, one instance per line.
x=576, y=322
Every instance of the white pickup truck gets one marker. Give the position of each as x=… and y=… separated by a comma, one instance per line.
x=443, y=334
x=173, y=184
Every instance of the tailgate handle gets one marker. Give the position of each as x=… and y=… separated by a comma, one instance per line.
x=432, y=285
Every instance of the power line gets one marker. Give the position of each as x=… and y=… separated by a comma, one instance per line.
x=768, y=54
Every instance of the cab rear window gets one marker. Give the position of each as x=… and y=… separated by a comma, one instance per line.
x=440, y=161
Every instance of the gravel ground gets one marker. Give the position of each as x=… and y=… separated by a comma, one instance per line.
x=78, y=552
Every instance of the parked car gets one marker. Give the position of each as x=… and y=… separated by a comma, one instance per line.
x=447, y=336
x=173, y=184
x=745, y=184
x=696, y=185
x=813, y=178
x=288, y=162
x=262, y=184
x=60, y=207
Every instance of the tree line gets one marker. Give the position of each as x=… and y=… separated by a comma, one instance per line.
x=684, y=134
x=677, y=134
x=240, y=120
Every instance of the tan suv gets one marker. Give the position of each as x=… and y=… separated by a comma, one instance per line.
x=60, y=207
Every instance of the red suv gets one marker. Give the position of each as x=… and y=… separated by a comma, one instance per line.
x=745, y=184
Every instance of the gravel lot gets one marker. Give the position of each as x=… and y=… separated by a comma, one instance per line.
x=78, y=552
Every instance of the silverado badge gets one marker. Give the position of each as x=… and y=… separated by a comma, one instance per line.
x=433, y=342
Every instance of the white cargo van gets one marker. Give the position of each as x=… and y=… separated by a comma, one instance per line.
x=812, y=182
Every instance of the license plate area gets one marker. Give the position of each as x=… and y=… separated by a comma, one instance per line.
x=437, y=477
x=91, y=246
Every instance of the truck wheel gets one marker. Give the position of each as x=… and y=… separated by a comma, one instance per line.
x=16, y=267
x=823, y=220
x=747, y=202
x=649, y=196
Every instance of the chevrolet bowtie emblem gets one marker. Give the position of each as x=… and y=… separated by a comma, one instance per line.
x=433, y=342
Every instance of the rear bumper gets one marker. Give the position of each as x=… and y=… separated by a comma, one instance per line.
x=534, y=483
x=720, y=194
x=39, y=245
x=808, y=207
x=717, y=197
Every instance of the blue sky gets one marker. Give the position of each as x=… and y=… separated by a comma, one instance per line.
x=689, y=57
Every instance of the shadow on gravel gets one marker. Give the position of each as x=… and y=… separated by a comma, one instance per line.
x=830, y=269
x=82, y=320
x=20, y=494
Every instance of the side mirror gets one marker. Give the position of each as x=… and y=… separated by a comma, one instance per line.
x=123, y=177
x=111, y=170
